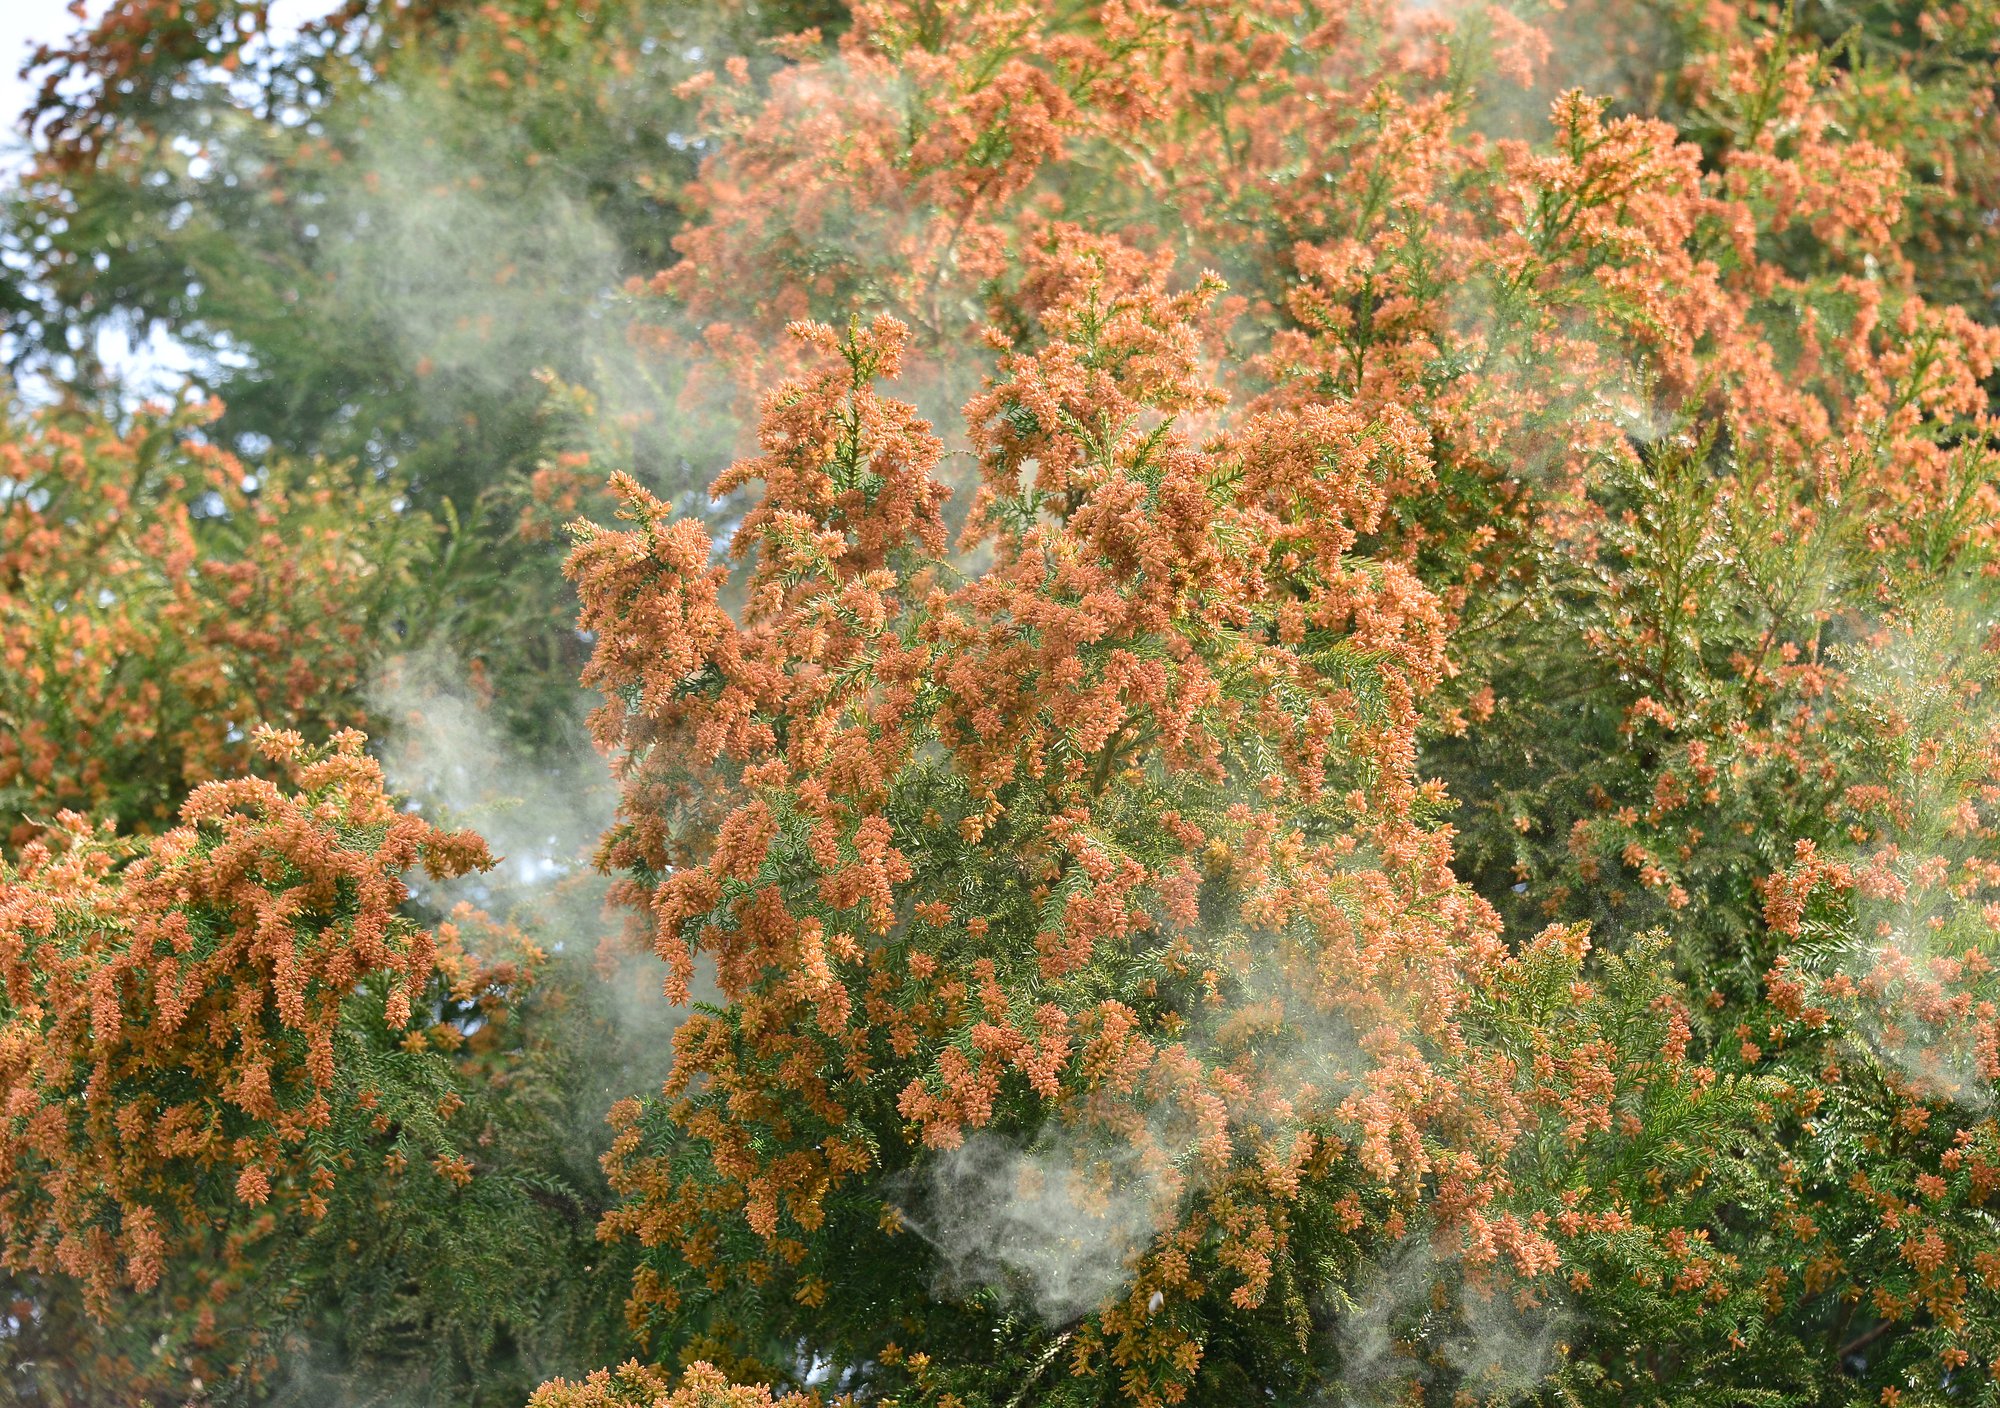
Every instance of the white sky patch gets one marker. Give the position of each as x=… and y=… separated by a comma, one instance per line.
x=27, y=23
x=23, y=25
x=150, y=363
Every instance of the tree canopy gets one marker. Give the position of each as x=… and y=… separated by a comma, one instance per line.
x=1211, y=702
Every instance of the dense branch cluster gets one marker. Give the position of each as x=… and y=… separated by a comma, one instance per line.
x=174, y=1010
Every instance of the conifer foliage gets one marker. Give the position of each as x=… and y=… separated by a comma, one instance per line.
x=1329, y=737
x=173, y=1020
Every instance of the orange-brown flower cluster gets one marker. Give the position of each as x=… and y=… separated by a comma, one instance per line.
x=636, y=1386
x=1618, y=401
x=1587, y=418
x=1118, y=835
x=173, y=1009
x=157, y=602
